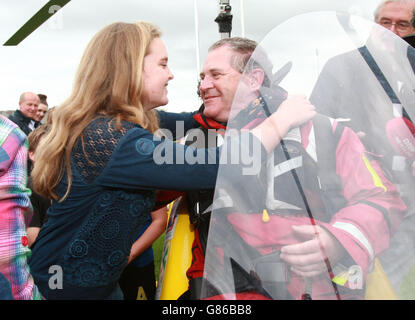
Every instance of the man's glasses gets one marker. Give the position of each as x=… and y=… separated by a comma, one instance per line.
x=400, y=25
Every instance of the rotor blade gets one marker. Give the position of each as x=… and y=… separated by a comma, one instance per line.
x=281, y=73
x=36, y=21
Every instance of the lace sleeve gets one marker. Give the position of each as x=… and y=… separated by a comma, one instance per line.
x=94, y=148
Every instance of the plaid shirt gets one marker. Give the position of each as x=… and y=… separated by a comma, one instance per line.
x=15, y=211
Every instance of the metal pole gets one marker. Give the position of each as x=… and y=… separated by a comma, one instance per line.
x=242, y=19
x=196, y=12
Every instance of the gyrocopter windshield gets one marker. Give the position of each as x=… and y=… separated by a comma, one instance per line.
x=330, y=208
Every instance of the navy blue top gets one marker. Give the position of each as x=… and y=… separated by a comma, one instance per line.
x=115, y=174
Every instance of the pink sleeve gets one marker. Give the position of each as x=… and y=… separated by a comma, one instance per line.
x=374, y=210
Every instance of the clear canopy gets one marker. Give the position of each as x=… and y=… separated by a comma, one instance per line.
x=318, y=188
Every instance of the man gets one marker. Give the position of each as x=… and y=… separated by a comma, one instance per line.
x=24, y=117
x=344, y=94
x=410, y=38
x=396, y=16
x=15, y=212
x=221, y=75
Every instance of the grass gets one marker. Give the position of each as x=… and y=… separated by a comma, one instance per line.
x=407, y=289
x=158, y=250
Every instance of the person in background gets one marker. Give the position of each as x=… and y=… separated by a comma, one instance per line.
x=49, y=116
x=25, y=116
x=42, y=109
x=40, y=204
x=15, y=213
x=5, y=290
x=340, y=93
x=396, y=16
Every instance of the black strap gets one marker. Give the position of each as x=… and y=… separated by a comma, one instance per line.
x=309, y=213
x=381, y=210
x=367, y=56
x=364, y=51
x=378, y=73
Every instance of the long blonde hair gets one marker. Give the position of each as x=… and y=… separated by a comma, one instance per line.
x=109, y=82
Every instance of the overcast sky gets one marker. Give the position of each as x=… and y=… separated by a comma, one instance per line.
x=46, y=61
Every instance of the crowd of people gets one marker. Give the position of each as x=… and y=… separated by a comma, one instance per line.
x=82, y=182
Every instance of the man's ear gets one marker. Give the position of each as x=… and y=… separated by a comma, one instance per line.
x=257, y=77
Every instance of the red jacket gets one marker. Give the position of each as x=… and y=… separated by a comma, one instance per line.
x=364, y=226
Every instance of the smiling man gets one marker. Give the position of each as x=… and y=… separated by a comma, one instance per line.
x=24, y=117
x=219, y=80
x=396, y=16
x=233, y=86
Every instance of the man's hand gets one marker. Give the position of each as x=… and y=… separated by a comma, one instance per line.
x=294, y=111
x=307, y=258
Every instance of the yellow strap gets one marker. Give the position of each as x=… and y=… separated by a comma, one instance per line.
x=376, y=179
x=341, y=278
x=265, y=216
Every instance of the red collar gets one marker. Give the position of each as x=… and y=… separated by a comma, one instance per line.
x=208, y=123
